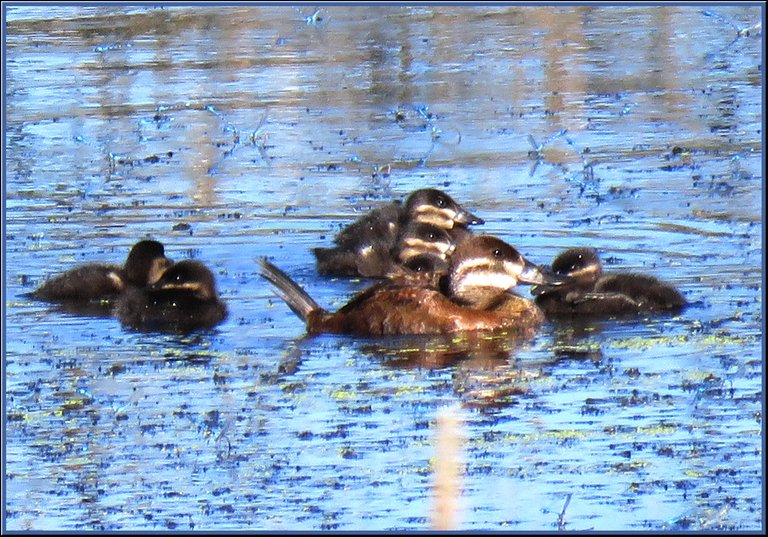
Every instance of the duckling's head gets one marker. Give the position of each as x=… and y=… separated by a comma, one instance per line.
x=188, y=276
x=146, y=262
x=483, y=268
x=435, y=207
x=419, y=238
x=426, y=263
x=580, y=265
x=422, y=270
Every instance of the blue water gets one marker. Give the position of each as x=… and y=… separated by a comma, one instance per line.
x=231, y=133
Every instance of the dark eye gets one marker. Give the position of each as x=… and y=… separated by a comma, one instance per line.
x=441, y=202
x=432, y=237
x=497, y=252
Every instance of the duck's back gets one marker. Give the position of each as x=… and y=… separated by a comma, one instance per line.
x=87, y=282
x=381, y=223
x=647, y=292
x=392, y=309
x=163, y=311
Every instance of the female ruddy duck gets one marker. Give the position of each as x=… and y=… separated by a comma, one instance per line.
x=590, y=291
x=381, y=229
x=474, y=296
x=145, y=265
x=183, y=299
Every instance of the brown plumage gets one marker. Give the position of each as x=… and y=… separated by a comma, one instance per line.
x=94, y=281
x=369, y=245
x=182, y=300
x=473, y=296
x=591, y=291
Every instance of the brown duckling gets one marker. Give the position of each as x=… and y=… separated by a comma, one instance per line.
x=382, y=227
x=182, y=300
x=590, y=291
x=145, y=265
x=423, y=270
x=476, y=296
x=375, y=258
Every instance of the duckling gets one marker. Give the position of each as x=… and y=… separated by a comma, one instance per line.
x=182, y=300
x=381, y=223
x=375, y=258
x=145, y=264
x=475, y=297
x=594, y=292
x=423, y=270
x=359, y=256
x=381, y=228
x=418, y=238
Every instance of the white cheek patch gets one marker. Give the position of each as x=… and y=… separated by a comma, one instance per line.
x=116, y=280
x=437, y=247
x=157, y=270
x=470, y=263
x=366, y=251
x=407, y=253
x=198, y=289
x=497, y=280
x=436, y=217
x=513, y=268
x=591, y=271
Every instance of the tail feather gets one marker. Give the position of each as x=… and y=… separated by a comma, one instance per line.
x=297, y=299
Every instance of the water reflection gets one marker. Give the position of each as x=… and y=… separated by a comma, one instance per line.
x=230, y=133
x=477, y=349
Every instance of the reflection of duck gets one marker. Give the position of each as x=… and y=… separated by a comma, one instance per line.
x=183, y=299
x=365, y=247
x=94, y=281
x=477, y=349
x=590, y=291
x=475, y=297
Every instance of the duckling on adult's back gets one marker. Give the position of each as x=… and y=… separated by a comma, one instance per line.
x=427, y=205
x=182, y=300
x=376, y=257
x=365, y=246
x=145, y=264
x=591, y=291
x=423, y=270
x=482, y=271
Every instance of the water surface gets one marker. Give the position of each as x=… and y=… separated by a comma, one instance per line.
x=230, y=133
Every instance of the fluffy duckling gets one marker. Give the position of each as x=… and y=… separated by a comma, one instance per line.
x=375, y=258
x=590, y=291
x=182, y=300
x=423, y=270
x=145, y=265
x=375, y=235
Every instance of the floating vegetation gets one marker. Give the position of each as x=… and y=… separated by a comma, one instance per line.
x=248, y=130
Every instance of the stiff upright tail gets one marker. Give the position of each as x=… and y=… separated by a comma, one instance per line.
x=297, y=299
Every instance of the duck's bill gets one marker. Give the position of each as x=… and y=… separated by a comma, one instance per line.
x=467, y=218
x=538, y=290
x=535, y=275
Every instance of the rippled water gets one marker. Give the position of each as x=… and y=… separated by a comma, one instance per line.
x=229, y=133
